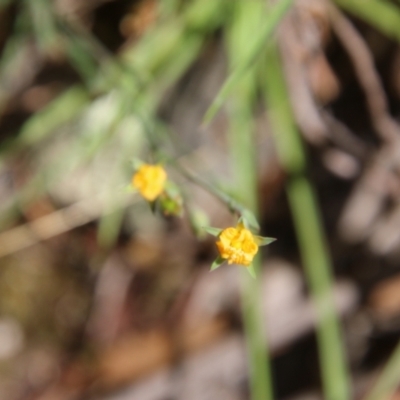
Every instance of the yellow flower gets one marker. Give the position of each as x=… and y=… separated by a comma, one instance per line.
x=150, y=181
x=237, y=245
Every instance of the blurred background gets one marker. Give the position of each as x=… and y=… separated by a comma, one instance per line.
x=101, y=298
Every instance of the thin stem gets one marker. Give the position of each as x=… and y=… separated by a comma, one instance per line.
x=230, y=202
x=388, y=380
x=315, y=256
x=242, y=148
x=318, y=270
x=260, y=366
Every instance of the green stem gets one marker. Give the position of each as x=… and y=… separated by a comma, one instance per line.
x=389, y=379
x=318, y=270
x=230, y=202
x=242, y=144
x=255, y=47
x=242, y=148
x=315, y=256
x=383, y=15
x=260, y=366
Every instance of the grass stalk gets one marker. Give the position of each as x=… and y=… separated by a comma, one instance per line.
x=308, y=225
x=254, y=49
x=260, y=370
x=383, y=15
x=242, y=146
x=261, y=385
x=388, y=381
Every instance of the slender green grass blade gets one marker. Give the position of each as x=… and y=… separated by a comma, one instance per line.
x=272, y=20
x=205, y=15
x=109, y=228
x=315, y=257
x=45, y=30
x=81, y=59
x=251, y=271
x=5, y=3
x=382, y=14
x=61, y=110
x=389, y=379
x=318, y=270
x=13, y=60
x=247, y=19
x=250, y=219
x=212, y=231
x=254, y=326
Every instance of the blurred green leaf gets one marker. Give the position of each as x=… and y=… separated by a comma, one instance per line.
x=5, y=3
x=263, y=241
x=172, y=189
x=15, y=54
x=212, y=231
x=217, y=263
x=250, y=220
x=169, y=7
x=305, y=211
x=273, y=17
x=45, y=30
x=61, y=110
x=247, y=18
x=151, y=53
x=250, y=269
x=288, y=142
x=109, y=228
x=382, y=14
x=205, y=15
x=388, y=381
x=198, y=220
x=81, y=59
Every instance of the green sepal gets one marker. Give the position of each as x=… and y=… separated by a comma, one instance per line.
x=171, y=202
x=263, y=241
x=171, y=206
x=243, y=221
x=250, y=269
x=217, y=263
x=212, y=231
x=249, y=220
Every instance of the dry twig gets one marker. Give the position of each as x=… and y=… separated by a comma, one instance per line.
x=51, y=225
x=368, y=77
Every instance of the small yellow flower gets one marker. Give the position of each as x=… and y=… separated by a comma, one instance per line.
x=150, y=181
x=237, y=245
